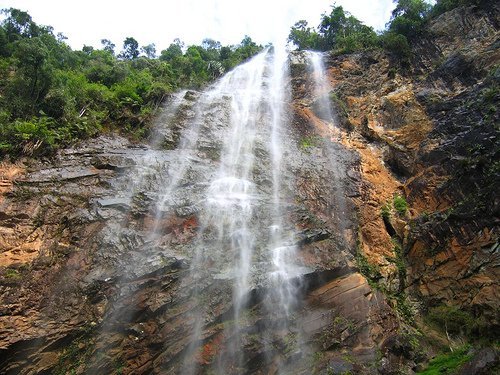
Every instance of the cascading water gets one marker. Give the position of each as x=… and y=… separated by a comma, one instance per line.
x=244, y=238
x=324, y=110
x=321, y=85
x=219, y=165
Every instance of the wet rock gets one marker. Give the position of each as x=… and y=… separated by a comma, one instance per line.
x=58, y=174
x=483, y=362
x=122, y=204
x=338, y=367
x=312, y=235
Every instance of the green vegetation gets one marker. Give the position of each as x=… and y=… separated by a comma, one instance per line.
x=51, y=96
x=400, y=205
x=442, y=6
x=447, y=363
x=456, y=321
x=397, y=45
x=341, y=32
x=370, y=271
x=399, y=259
x=12, y=274
x=309, y=141
x=385, y=211
x=77, y=353
x=409, y=18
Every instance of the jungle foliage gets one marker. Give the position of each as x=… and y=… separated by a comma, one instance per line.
x=51, y=95
x=341, y=32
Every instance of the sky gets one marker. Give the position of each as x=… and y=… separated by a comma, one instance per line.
x=148, y=21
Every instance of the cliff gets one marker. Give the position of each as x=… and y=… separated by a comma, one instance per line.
x=393, y=206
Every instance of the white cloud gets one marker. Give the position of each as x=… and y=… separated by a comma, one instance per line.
x=159, y=22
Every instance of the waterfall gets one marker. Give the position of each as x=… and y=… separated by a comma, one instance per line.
x=244, y=239
x=219, y=164
x=321, y=85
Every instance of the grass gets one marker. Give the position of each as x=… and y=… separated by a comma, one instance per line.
x=308, y=142
x=448, y=363
x=385, y=211
x=12, y=274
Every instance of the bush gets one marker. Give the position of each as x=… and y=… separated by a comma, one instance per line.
x=452, y=320
x=397, y=45
x=400, y=205
x=27, y=136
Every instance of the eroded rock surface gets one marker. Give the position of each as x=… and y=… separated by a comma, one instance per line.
x=97, y=251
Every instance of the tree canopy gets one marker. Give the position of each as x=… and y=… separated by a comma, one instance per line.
x=341, y=32
x=51, y=95
x=338, y=30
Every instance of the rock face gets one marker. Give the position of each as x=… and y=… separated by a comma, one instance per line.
x=100, y=263
x=431, y=135
x=102, y=269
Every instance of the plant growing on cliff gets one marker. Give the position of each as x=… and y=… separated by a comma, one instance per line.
x=400, y=205
x=12, y=274
x=385, y=211
x=308, y=142
x=447, y=363
x=397, y=45
x=370, y=271
x=455, y=321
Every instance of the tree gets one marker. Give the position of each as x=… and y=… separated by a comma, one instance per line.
x=32, y=78
x=18, y=24
x=32, y=55
x=61, y=37
x=332, y=26
x=4, y=50
x=338, y=31
x=130, y=49
x=409, y=17
x=108, y=45
x=209, y=44
x=303, y=36
x=174, y=50
x=87, y=49
x=149, y=50
x=247, y=48
x=225, y=53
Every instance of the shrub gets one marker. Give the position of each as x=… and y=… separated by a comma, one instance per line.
x=400, y=205
x=451, y=319
x=397, y=45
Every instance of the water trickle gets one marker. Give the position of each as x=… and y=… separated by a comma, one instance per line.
x=323, y=91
